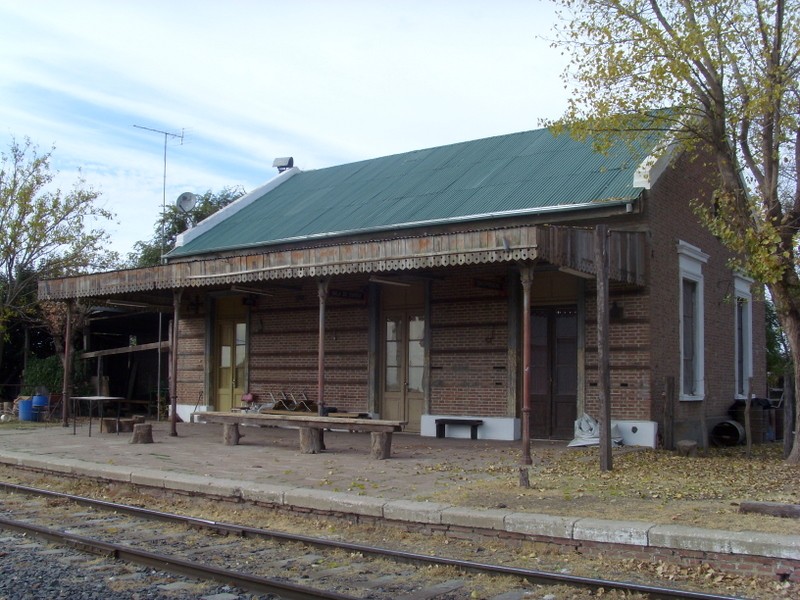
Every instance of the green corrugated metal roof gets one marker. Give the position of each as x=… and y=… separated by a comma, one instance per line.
x=530, y=171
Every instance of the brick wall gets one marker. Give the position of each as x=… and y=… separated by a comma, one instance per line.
x=469, y=331
x=191, y=360
x=672, y=218
x=629, y=356
x=284, y=342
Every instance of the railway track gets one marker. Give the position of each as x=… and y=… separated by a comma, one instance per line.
x=276, y=563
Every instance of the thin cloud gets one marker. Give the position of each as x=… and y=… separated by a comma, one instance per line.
x=325, y=82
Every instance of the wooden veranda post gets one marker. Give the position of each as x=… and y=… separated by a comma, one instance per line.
x=669, y=412
x=173, y=392
x=603, y=363
x=322, y=291
x=66, y=387
x=748, y=423
x=526, y=274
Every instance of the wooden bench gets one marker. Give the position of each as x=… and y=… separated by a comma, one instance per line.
x=310, y=426
x=443, y=422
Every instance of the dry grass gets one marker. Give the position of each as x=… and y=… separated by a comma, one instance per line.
x=646, y=485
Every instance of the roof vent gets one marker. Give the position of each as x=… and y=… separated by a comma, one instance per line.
x=287, y=162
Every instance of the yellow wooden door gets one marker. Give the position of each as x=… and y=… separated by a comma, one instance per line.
x=231, y=362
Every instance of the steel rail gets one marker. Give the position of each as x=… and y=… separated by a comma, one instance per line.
x=267, y=585
x=536, y=576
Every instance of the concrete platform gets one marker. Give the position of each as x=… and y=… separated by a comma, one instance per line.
x=267, y=466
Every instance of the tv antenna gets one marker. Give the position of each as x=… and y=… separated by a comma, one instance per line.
x=166, y=135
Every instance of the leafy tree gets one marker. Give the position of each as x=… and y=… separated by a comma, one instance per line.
x=175, y=221
x=46, y=233
x=722, y=76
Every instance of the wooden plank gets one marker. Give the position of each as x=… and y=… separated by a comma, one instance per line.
x=126, y=350
x=294, y=420
x=775, y=509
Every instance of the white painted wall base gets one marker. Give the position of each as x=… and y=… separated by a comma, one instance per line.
x=185, y=410
x=638, y=433
x=493, y=428
x=634, y=433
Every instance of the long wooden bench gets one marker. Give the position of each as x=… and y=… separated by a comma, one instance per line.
x=310, y=426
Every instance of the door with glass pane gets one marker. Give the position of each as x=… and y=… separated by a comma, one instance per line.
x=231, y=358
x=403, y=368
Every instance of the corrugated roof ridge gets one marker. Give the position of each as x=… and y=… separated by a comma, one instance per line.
x=226, y=211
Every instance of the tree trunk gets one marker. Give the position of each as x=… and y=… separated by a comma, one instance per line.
x=788, y=311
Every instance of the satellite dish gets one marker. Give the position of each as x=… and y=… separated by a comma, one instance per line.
x=186, y=201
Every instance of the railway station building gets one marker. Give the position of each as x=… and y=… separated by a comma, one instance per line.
x=454, y=282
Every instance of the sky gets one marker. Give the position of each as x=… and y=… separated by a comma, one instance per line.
x=228, y=86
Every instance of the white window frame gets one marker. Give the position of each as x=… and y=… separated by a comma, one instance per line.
x=743, y=297
x=691, y=260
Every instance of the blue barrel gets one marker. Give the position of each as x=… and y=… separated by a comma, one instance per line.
x=40, y=404
x=26, y=410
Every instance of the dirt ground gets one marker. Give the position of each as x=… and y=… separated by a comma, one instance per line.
x=645, y=485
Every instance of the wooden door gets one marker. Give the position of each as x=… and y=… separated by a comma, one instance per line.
x=231, y=361
x=403, y=368
x=554, y=372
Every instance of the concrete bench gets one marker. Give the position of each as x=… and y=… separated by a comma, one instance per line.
x=472, y=423
x=310, y=427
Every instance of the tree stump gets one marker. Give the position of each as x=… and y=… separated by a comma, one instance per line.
x=381, y=445
x=310, y=440
x=687, y=448
x=108, y=425
x=230, y=434
x=126, y=425
x=142, y=433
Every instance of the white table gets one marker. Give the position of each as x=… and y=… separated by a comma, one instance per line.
x=100, y=401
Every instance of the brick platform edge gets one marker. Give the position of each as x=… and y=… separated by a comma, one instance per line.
x=743, y=553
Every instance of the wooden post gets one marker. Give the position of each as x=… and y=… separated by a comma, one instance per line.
x=381, y=445
x=142, y=434
x=703, y=423
x=603, y=363
x=66, y=387
x=230, y=434
x=669, y=413
x=310, y=440
x=788, y=405
x=748, y=425
x=526, y=274
x=322, y=292
x=173, y=420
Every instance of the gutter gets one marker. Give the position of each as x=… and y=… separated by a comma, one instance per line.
x=410, y=225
